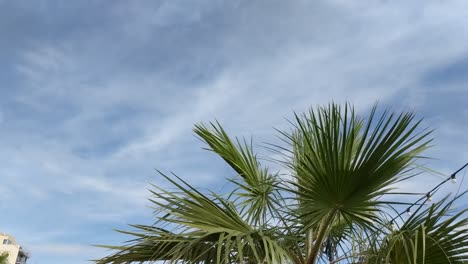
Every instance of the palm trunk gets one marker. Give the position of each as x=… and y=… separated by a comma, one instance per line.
x=322, y=231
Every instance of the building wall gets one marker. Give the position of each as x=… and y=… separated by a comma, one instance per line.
x=11, y=247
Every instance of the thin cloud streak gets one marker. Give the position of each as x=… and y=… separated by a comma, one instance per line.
x=102, y=96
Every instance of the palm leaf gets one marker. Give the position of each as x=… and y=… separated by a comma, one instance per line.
x=223, y=237
x=256, y=187
x=343, y=164
x=332, y=208
x=431, y=235
x=4, y=258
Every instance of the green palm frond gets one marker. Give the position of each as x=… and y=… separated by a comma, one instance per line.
x=257, y=188
x=333, y=207
x=210, y=230
x=343, y=164
x=431, y=235
x=4, y=258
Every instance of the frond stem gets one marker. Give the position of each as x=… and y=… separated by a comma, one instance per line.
x=322, y=231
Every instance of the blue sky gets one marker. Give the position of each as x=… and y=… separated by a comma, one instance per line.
x=97, y=94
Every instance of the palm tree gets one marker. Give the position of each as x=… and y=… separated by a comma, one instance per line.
x=330, y=206
x=4, y=258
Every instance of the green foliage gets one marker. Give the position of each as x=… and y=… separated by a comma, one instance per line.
x=4, y=258
x=431, y=235
x=330, y=208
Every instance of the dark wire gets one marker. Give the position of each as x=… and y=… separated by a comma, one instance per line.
x=429, y=193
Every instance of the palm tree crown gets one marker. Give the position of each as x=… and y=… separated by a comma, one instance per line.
x=331, y=207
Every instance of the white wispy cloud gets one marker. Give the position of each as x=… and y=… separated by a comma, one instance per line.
x=104, y=95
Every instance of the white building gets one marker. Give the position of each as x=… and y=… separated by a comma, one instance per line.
x=16, y=254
